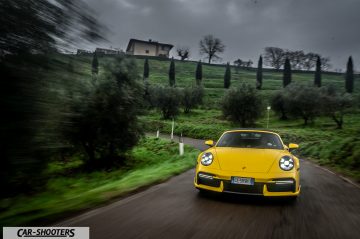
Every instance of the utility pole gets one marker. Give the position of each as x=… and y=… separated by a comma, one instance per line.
x=268, y=116
x=172, y=130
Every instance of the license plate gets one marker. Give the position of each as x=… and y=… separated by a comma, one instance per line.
x=244, y=181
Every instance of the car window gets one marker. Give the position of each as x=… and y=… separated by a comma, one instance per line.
x=260, y=140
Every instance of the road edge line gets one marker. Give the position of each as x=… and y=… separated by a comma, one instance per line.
x=334, y=173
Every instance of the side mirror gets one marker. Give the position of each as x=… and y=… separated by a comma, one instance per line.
x=293, y=146
x=209, y=143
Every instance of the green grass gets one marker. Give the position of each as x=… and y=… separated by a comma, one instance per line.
x=213, y=77
x=151, y=161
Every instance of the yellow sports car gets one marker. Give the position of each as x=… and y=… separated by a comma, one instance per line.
x=248, y=161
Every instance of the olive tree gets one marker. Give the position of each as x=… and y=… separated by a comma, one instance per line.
x=167, y=100
x=105, y=122
x=242, y=105
x=335, y=105
x=300, y=102
x=191, y=98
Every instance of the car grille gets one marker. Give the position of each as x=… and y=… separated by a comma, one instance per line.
x=257, y=188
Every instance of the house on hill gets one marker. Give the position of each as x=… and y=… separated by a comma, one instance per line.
x=148, y=48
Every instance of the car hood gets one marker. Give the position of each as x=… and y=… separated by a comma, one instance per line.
x=247, y=160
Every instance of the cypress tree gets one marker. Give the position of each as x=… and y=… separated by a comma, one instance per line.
x=227, y=76
x=95, y=64
x=287, y=73
x=198, y=75
x=349, y=76
x=172, y=73
x=259, y=74
x=146, y=70
x=70, y=66
x=317, y=79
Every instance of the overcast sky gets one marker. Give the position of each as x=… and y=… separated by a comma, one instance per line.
x=327, y=27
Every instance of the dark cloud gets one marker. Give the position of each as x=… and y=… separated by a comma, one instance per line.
x=246, y=27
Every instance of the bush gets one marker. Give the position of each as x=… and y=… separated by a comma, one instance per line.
x=335, y=104
x=191, y=98
x=105, y=121
x=167, y=100
x=278, y=104
x=299, y=102
x=242, y=105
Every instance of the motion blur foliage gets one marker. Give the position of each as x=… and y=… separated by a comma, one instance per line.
x=242, y=105
x=30, y=33
x=299, y=102
x=146, y=70
x=167, y=100
x=105, y=118
x=191, y=98
x=95, y=64
x=335, y=104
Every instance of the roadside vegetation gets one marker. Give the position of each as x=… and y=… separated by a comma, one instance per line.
x=70, y=188
x=70, y=134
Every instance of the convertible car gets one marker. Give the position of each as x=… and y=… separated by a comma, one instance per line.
x=247, y=161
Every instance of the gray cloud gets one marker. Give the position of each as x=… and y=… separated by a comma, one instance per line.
x=246, y=27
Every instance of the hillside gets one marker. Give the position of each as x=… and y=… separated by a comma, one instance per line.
x=213, y=77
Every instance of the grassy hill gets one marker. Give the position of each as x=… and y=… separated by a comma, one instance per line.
x=320, y=141
x=213, y=77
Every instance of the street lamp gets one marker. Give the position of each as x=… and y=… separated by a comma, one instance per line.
x=268, y=116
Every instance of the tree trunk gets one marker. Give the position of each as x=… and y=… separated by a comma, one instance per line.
x=90, y=151
x=283, y=115
x=111, y=150
x=306, y=120
x=339, y=122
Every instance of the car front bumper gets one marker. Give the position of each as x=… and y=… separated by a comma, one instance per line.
x=271, y=187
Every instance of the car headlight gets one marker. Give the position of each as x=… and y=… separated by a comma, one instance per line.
x=207, y=159
x=286, y=163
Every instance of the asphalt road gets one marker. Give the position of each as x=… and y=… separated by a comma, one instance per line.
x=328, y=207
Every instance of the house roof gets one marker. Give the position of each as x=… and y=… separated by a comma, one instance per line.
x=150, y=42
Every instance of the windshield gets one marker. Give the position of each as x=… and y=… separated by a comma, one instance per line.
x=259, y=140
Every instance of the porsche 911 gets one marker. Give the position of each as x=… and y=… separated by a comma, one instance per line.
x=245, y=161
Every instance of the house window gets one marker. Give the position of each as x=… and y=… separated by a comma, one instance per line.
x=162, y=47
x=147, y=51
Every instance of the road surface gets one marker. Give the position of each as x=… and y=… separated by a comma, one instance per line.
x=328, y=207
